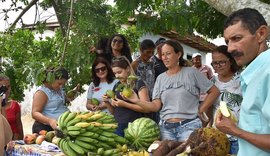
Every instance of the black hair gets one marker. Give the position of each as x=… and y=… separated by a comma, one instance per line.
x=159, y=41
x=223, y=49
x=57, y=73
x=125, y=51
x=250, y=18
x=110, y=75
x=177, y=47
x=102, y=44
x=146, y=44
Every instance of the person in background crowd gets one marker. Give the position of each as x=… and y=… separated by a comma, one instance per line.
x=176, y=95
x=204, y=69
x=13, y=113
x=143, y=68
x=118, y=46
x=101, y=49
x=124, y=110
x=246, y=33
x=207, y=71
x=49, y=100
x=5, y=131
x=228, y=82
x=103, y=80
x=156, y=59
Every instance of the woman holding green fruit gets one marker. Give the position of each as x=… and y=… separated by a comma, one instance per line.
x=124, y=110
x=103, y=80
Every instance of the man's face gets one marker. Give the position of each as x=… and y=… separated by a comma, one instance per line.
x=243, y=45
x=197, y=61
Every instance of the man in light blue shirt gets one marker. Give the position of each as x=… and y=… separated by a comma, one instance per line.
x=245, y=32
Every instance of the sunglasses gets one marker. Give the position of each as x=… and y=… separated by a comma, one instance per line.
x=219, y=63
x=101, y=69
x=116, y=40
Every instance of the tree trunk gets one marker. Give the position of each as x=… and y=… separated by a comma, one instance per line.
x=228, y=6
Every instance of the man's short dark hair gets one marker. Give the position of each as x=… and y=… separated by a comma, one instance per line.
x=159, y=41
x=251, y=19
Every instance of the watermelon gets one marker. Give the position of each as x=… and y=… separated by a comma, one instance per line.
x=141, y=133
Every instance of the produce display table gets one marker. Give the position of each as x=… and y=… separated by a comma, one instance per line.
x=17, y=148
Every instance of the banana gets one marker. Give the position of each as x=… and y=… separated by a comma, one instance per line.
x=111, y=152
x=224, y=109
x=88, y=115
x=73, y=122
x=73, y=133
x=59, y=144
x=120, y=140
x=73, y=128
x=61, y=119
x=68, y=150
x=87, y=139
x=109, y=121
x=105, y=139
x=82, y=124
x=108, y=134
x=96, y=124
x=85, y=145
x=70, y=116
x=95, y=117
x=110, y=125
x=89, y=134
x=82, y=130
x=76, y=147
x=100, y=151
x=90, y=127
x=103, y=145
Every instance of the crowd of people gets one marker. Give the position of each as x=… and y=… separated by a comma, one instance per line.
x=179, y=97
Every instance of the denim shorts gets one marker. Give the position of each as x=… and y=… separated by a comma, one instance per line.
x=234, y=147
x=178, y=131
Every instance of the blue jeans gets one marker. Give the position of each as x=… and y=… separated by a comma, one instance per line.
x=120, y=129
x=178, y=133
x=234, y=147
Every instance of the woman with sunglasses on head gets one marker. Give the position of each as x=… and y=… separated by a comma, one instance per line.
x=124, y=110
x=176, y=95
x=103, y=80
x=228, y=82
x=118, y=46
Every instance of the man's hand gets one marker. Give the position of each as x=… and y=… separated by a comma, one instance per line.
x=225, y=124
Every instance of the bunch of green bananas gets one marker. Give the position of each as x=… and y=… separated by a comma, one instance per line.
x=84, y=132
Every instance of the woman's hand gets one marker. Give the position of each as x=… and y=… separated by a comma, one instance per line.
x=93, y=107
x=105, y=98
x=103, y=105
x=53, y=123
x=118, y=102
x=134, y=97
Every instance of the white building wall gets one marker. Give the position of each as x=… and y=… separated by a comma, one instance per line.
x=187, y=49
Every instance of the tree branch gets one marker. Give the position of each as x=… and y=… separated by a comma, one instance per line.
x=229, y=6
x=32, y=3
x=59, y=19
x=68, y=30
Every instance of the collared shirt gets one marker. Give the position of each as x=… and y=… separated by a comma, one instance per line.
x=205, y=70
x=254, y=113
